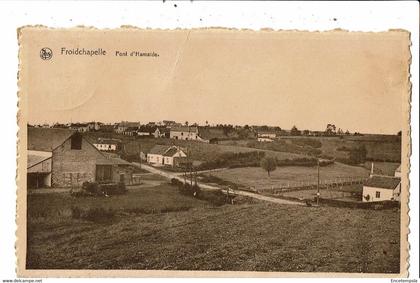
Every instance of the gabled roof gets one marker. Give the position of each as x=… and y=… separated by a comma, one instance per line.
x=184, y=129
x=47, y=139
x=171, y=152
x=160, y=149
x=383, y=182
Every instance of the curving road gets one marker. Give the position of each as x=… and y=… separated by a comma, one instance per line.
x=171, y=175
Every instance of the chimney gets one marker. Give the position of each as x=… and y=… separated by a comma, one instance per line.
x=371, y=170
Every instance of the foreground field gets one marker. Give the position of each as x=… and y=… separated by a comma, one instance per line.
x=248, y=237
x=288, y=175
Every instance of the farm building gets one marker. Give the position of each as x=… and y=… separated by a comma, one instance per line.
x=184, y=133
x=64, y=158
x=166, y=155
x=107, y=144
x=263, y=139
x=381, y=188
x=80, y=127
x=127, y=127
x=267, y=135
x=153, y=131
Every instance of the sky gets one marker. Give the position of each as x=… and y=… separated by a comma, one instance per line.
x=357, y=81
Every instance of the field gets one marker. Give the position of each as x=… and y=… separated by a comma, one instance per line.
x=288, y=175
x=382, y=168
x=252, y=237
x=326, y=193
x=196, y=150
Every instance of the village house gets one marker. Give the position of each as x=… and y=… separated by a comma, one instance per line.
x=261, y=139
x=107, y=144
x=64, y=158
x=150, y=131
x=127, y=128
x=184, y=133
x=265, y=136
x=164, y=155
x=94, y=126
x=167, y=123
x=80, y=127
x=382, y=187
x=268, y=135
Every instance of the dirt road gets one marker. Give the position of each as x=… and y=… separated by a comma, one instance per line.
x=171, y=175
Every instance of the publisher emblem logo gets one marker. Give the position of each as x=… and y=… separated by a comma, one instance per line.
x=45, y=53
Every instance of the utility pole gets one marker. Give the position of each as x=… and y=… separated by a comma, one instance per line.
x=317, y=193
x=140, y=154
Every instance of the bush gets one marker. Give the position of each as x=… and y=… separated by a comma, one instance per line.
x=307, y=142
x=91, y=188
x=304, y=161
x=95, y=189
x=214, y=197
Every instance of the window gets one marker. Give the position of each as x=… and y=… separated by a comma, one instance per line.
x=378, y=194
x=103, y=173
x=76, y=141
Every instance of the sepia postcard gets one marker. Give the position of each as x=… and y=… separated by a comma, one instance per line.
x=212, y=152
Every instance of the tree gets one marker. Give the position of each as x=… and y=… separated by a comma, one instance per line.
x=269, y=164
x=330, y=130
x=294, y=131
x=305, y=132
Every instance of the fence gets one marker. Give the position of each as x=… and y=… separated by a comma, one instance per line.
x=323, y=184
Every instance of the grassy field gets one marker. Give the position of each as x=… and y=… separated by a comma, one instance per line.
x=151, y=200
x=200, y=151
x=288, y=175
x=382, y=168
x=252, y=237
x=379, y=147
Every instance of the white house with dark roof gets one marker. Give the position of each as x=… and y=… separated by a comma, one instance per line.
x=184, y=133
x=107, y=144
x=382, y=187
x=161, y=155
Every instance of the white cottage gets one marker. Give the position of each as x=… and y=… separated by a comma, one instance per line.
x=184, y=133
x=382, y=188
x=161, y=155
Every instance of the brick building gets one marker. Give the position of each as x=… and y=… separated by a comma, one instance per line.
x=64, y=158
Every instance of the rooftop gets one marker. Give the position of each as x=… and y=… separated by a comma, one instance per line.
x=47, y=139
x=384, y=182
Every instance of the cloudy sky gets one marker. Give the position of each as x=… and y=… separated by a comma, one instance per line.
x=356, y=81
